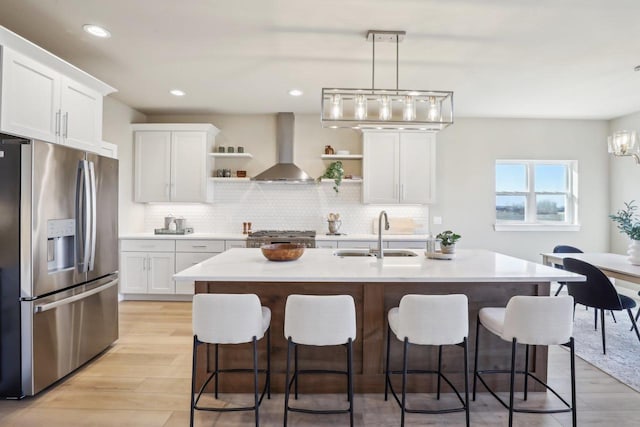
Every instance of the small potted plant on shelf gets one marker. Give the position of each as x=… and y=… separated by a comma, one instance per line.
x=448, y=241
x=628, y=223
x=335, y=172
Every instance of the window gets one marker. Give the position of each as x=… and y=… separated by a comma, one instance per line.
x=536, y=194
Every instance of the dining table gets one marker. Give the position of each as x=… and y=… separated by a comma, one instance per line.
x=613, y=265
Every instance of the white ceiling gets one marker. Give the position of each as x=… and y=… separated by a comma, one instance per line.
x=502, y=58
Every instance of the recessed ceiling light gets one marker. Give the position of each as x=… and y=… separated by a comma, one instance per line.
x=177, y=92
x=295, y=92
x=97, y=31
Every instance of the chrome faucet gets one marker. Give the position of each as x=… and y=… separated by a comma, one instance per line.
x=380, y=252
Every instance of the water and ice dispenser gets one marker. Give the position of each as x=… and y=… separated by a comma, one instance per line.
x=60, y=244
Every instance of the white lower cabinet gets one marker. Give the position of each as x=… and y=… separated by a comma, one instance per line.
x=147, y=272
x=186, y=260
x=360, y=244
x=326, y=244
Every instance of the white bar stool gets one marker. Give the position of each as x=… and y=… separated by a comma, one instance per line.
x=434, y=320
x=230, y=319
x=319, y=320
x=529, y=320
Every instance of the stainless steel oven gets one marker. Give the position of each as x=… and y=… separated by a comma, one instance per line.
x=267, y=237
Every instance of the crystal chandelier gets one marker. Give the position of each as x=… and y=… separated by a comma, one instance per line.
x=625, y=143
x=403, y=109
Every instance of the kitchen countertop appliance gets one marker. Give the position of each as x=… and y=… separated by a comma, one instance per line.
x=58, y=262
x=269, y=237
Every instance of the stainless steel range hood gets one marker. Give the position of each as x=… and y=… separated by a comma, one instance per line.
x=284, y=171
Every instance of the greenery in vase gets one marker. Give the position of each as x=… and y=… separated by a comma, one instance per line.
x=627, y=220
x=335, y=172
x=448, y=238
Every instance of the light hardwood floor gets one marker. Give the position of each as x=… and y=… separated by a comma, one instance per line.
x=143, y=380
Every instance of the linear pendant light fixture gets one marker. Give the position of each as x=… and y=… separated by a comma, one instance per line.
x=424, y=110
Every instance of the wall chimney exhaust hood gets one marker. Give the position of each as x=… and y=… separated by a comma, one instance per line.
x=284, y=171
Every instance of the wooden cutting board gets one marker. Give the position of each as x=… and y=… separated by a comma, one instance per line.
x=397, y=225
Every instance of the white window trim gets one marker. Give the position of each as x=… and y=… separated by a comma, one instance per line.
x=530, y=224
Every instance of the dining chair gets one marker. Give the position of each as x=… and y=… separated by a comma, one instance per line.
x=598, y=292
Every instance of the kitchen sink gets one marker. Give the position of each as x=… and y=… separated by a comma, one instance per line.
x=364, y=253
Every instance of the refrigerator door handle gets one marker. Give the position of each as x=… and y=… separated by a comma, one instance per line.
x=83, y=197
x=50, y=306
x=93, y=216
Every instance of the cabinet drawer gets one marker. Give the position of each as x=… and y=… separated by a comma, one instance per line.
x=228, y=244
x=200, y=246
x=359, y=244
x=148, y=245
x=407, y=244
x=326, y=244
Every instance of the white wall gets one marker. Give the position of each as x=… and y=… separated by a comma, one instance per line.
x=624, y=177
x=117, y=119
x=466, y=154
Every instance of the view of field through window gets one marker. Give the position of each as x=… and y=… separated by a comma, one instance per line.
x=549, y=188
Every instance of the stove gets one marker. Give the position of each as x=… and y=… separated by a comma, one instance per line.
x=267, y=237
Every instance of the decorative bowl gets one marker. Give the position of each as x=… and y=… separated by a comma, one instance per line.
x=282, y=251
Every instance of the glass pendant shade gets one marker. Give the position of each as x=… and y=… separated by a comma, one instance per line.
x=433, y=110
x=360, y=102
x=336, y=106
x=625, y=143
x=409, y=110
x=385, y=107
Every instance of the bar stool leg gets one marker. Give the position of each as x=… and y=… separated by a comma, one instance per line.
x=465, y=347
x=287, y=386
x=475, y=359
x=350, y=376
x=439, y=369
x=193, y=379
x=268, y=363
x=574, y=410
x=404, y=380
x=513, y=380
x=526, y=371
x=386, y=372
x=255, y=381
x=295, y=371
x=216, y=373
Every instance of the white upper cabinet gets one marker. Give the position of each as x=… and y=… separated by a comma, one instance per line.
x=81, y=115
x=398, y=168
x=152, y=166
x=43, y=97
x=30, y=98
x=171, y=162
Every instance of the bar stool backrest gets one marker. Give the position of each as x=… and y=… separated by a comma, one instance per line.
x=320, y=319
x=434, y=319
x=539, y=320
x=227, y=318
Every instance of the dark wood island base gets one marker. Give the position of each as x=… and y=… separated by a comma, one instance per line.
x=373, y=300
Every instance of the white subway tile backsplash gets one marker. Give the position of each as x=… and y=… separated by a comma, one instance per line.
x=279, y=206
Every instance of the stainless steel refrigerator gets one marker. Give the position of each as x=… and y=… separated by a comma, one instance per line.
x=58, y=262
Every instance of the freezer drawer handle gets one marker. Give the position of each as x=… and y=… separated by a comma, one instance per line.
x=46, y=307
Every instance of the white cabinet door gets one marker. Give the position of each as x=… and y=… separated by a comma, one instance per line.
x=152, y=166
x=380, y=167
x=133, y=274
x=30, y=98
x=185, y=260
x=81, y=125
x=188, y=167
x=326, y=244
x=160, y=272
x=417, y=152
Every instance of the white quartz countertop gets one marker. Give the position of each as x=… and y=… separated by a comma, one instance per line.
x=320, y=265
x=240, y=236
x=192, y=236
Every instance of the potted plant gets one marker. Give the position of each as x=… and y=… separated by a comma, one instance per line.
x=448, y=241
x=628, y=223
x=335, y=172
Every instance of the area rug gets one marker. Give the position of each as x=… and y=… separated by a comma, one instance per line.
x=623, y=347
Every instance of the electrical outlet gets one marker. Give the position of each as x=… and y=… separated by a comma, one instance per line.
x=437, y=220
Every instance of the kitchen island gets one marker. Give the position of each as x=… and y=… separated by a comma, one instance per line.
x=487, y=278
